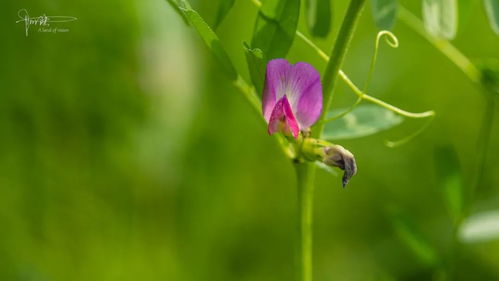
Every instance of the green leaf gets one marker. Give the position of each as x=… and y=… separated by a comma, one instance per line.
x=176, y=7
x=480, y=227
x=492, y=9
x=490, y=75
x=223, y=9
x=440, y=18
x=209, y=37
x=419, y=246
x=363, y=121
x=451, y=182
x=275, y=27
x=384, y=13
x=318, y=17
x=256, y=66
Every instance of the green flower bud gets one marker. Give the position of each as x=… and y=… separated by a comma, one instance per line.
x=331, y=155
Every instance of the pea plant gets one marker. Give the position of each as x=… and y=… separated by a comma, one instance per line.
x=296, y=99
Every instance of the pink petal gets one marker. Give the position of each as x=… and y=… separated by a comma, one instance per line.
x=306, y=94
x=282, y=119
x=275, y=74
x=300, y=83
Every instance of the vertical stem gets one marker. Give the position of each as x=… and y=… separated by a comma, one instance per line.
x=305, y=173
x=337, y=56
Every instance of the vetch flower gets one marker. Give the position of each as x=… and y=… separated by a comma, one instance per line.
x=292, y=97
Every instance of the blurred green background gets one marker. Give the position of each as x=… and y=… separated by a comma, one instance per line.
x=125, y=154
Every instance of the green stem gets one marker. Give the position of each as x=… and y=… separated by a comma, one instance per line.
x=337, y=56
x=305, y=173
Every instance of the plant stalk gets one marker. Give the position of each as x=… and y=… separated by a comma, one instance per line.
x=305, y=174
x=337, y=56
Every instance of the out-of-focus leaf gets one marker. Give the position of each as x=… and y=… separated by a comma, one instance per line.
x=256, y=65
x=384, y=13
x=413, y=239
x=176, y=7
x=209, y=37
x=223, y=9
x=319, y=17
x=450, y=180
x=440, y=18
x=492, y=9
x=275, y=27
x=480, y=227
x=490, y=75
x=363, y=121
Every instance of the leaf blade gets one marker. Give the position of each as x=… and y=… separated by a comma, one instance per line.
x=318, y=17
x=209, y=37
x=223, y=9
x=384, y=13
x=480, y=227
x=492, y=10
x=255, y=59
x=413, y=239
x=275, y=27
x=451, y=182
x=440, y=18
x=363, y=121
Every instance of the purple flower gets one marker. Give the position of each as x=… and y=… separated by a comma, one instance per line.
x=292, y=98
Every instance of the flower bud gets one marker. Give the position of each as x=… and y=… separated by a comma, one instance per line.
x=331, y=155
x=338, y=156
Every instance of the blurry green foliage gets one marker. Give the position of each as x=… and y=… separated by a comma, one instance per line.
x=414, y=240
x=384, y=13
x=481, y=227
x=87, y=192
x=256, y=66
x=209, y=37
x=441, y=18
x=492, y=10
x=275, y=27
x=318, y=17
x=223, y=9
x=450, y=178
x=363, y=120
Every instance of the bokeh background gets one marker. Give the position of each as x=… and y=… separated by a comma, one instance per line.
x=125, y=154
